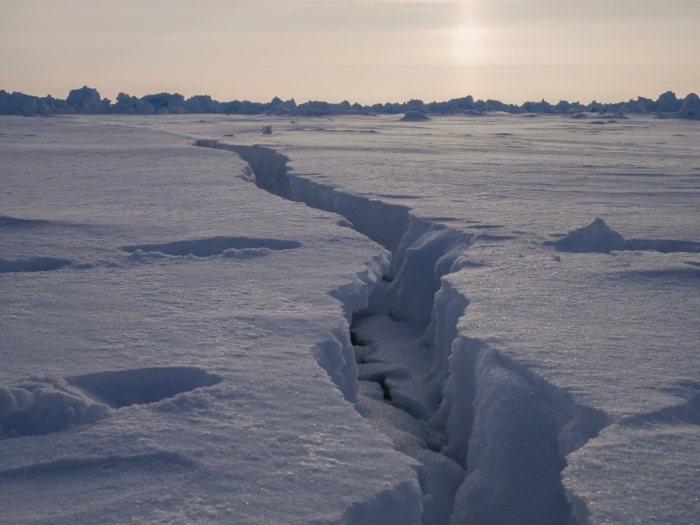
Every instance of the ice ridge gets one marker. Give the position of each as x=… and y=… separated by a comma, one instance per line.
x=501, y=432
x=88, y=101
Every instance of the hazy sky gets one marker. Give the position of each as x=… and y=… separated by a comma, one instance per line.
x=363, y=51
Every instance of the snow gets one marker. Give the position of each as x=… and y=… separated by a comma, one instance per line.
x=494, y=369
x=597, y=237
x=44, y=404
x=185, y=373
x=691, y=107
x=415, y=115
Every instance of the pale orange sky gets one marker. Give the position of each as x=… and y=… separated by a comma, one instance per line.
x=363, y=51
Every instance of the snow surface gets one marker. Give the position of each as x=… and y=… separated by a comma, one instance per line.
x=517, y=381
x=187, y=286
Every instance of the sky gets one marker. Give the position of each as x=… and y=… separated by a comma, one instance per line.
x=364, y=51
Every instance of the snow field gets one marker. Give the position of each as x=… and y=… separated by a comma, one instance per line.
x=549, y=383
x=517, y=406
x=184, y=339
x=517, y=477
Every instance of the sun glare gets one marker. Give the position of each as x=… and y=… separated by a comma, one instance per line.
x=467, y=35
x=467, y=45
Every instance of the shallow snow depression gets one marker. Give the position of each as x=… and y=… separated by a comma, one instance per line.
x=488, y=351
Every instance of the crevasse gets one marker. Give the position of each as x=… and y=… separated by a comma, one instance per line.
x=496, y=436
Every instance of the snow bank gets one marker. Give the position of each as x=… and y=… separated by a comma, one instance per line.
x=48, y=403
x=44, y=404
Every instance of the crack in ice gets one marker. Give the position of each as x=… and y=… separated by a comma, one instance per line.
x=491, y=436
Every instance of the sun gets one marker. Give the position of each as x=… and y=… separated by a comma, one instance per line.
x=467, y=34
x=467, y=44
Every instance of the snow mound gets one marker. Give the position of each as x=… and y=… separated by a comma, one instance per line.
x=597, y=237
x=44, y=404
x=415, y=115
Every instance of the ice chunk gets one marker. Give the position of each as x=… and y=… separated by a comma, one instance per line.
x=597, y=237
x=690, y=108
x=87, y=100
x=415, y=115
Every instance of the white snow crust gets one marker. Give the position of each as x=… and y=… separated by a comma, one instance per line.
x=518, y=382
x=185, y=339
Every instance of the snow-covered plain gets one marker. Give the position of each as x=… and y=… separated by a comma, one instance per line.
x=177, y=343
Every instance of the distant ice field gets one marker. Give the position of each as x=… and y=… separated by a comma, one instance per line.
x=400, y=338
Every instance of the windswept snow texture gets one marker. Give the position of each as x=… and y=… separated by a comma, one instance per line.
x=477, y=376
x=202, y=375
x=529, y=355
